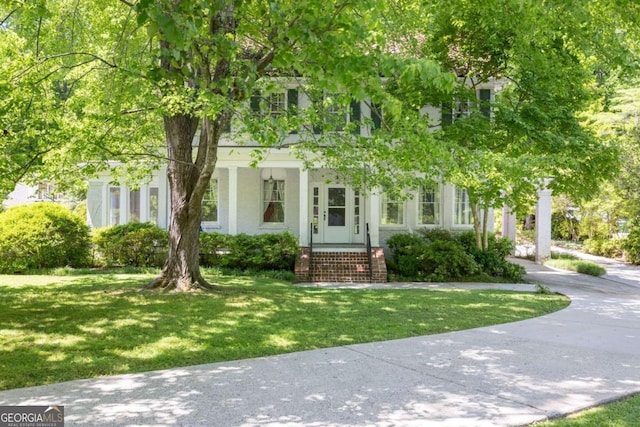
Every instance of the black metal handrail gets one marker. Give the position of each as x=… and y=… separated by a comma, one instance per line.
x=369, y=256
x=311, y=252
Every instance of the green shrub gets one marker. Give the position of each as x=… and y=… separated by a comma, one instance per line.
x=406, y=250
x=42, y=235
x=444, y=259
x=244, y=252
x=139, y=244
x=213, y=246
x=436, y=234
x=631, y=245
x=441, y=255
x=610, y=248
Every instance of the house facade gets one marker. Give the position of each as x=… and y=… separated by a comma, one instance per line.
x=330, y=218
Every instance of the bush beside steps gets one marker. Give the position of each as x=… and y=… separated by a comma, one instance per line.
x=435, y=255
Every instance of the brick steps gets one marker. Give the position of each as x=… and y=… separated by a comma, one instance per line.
x=341, y=267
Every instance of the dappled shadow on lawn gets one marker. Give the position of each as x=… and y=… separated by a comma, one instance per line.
x=103, y=324
x=478, y=379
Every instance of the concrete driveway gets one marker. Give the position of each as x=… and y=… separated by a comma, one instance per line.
x=503, y=375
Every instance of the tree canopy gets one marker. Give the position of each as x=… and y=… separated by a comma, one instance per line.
x=88, y=82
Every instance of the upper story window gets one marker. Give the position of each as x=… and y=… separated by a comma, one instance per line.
x=377, y=117
x=392, y=210
x=462, y=208
x=276, y=105
x=429, y=205
x=210, y=202
x=334, y=115
x=451, y=111
x=273, y=197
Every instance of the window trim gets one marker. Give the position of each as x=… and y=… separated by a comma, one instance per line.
x=437, y=190
x=264, y=203
x=469, y=215
x=113, y=218
x=384, y=199
x=217, y=200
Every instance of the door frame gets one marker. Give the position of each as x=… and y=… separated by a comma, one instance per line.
x=355, y=220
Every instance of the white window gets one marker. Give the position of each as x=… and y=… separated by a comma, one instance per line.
x=277, y=104
x=273, y=201
x=210, y=202
x=392, y=210
x=134, y=205
x=429, y=205
x=114, y=205
x=153, y=204
x=462, y=208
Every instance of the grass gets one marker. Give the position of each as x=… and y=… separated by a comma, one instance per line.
x=573, y=263
x=625, y=412
x=59, y=328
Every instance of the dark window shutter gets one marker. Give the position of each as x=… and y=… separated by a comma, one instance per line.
x=227, y=127
x=376, y=116
x=292, y=104
x=447, y=116
x=485, y=102
x=255, y=102
x=355, y=115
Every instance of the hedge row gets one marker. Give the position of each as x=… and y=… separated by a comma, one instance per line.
x=144, y=244
x=48, y=235
x=439, y=255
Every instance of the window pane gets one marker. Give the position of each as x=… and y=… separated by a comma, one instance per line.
x=114, y=205
x=134, y=205
x=462, y=207
x=277, y=104
x=392, y=211
x=273, y=201
x=210, y=202
x=337, y=217
x=429, y=208
x=153, y=204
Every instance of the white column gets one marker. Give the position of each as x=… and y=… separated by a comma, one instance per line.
x=233, y=200
x=303, y=206
x=374, y=217
x=508, y=223
x=543, y=226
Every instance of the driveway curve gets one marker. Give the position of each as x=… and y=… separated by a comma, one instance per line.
x=504, y=375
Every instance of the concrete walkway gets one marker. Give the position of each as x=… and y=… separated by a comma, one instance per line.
x=503, y=375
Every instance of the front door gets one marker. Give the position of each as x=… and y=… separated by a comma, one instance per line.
x=336, y=214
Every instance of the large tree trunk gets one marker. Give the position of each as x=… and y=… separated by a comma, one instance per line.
x=187, y=182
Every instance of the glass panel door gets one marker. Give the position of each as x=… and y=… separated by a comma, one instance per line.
x=335, y=215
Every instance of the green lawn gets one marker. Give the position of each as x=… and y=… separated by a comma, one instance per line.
x=59, y=328
x=573, y=263
x=624, y=413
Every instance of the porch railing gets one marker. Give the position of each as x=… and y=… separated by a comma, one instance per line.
x=369, y=256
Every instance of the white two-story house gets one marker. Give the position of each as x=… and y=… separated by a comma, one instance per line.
x=332, y=220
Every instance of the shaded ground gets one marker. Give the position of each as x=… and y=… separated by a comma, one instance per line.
x=509, y=374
